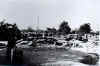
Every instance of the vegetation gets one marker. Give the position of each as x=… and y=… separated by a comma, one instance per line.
x=8, y=31
x=29, y=29
x=64, y=28
x=85, y=28
x=51, y=30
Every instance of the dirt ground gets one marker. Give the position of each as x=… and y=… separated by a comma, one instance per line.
x=41, y=56
x=47, y=55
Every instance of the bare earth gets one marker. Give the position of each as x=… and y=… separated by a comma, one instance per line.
x=44, y=57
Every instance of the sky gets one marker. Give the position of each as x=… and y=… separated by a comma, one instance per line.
x=51, y=13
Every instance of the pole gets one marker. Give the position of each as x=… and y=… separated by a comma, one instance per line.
x=37, y=22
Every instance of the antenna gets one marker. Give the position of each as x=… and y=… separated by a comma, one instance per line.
x=37, y=22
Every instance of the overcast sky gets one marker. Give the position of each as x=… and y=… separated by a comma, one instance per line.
x=51, y=12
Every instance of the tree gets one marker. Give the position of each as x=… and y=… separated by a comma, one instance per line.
x=64, y=28
x=29, y=29
x=9, y=31
x=51, y=30
x=85, y=28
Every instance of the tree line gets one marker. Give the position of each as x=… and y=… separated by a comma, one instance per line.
x=64, y=29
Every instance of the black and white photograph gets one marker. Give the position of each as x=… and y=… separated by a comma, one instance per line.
x=49, y=32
